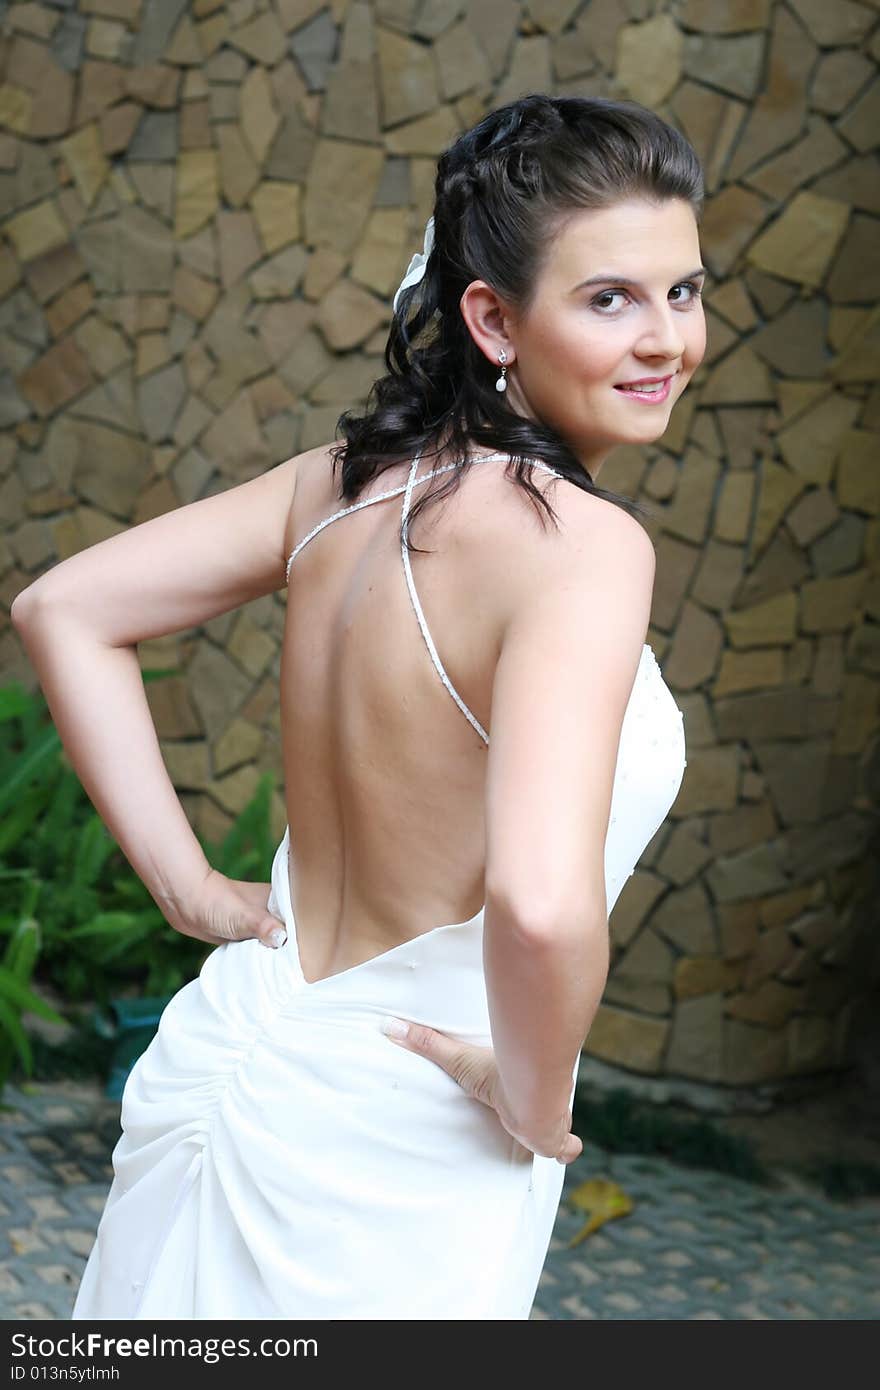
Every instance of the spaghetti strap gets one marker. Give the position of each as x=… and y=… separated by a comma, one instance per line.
x=407, y=488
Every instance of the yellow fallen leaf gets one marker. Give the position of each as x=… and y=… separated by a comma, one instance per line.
x=603, y=1199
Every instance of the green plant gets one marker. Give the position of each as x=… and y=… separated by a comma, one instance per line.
x=620, y=1122
x=75, y=914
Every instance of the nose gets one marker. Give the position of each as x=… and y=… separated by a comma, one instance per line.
x=662, y=335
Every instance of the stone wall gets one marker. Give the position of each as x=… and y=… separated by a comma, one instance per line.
x=207, y=210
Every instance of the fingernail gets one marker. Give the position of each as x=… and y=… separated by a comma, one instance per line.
x=277, y=936
x=395, y=1027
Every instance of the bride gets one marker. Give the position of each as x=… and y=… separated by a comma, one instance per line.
x=477, y=746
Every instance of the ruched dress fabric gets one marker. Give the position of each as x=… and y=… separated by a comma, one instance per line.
x=280, y=1157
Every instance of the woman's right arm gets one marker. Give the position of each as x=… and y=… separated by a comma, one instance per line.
x=569, y=656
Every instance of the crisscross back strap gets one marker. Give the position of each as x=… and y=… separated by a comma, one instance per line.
x=407, y=489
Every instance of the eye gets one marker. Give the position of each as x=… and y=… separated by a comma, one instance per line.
x=597, y=301
x=693, y=295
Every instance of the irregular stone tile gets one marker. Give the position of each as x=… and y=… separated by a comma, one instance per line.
x=815, y=513
x=716, y=583
x=381, y=257
x=856, y=480
x=794, y=341
x=276, y=209
x=195, y=125
x=157, y=24
x=70, y=306
x=407, y=82
x=843, y=547
x=772, y=623
x=842, y=22
x=495, y=22
x=855, y=276
x=193, y=293
x=330, y=220
x=694, y=648
x=829, y=604
x=110, y=403
x=32, y=66
x=239, y=245
x=313, y=45
x=729, y=222
x=649, y=58
x=259, y=118
x=770, y=294
x=778, y=488
x=572, y=54
x=732, y=302
x=819, y=149
x=56, y=378
x=100, y=85
x=68, y=41
x=725, y=16
x=152, y=352
x=16, y=108
x=347, y=315
x=358, y=39
x=695, y=1047
x=529, y=69
x=183, y=50
x=461, y=62
x=350, y=377
x=36, y=230
x=106, y=38
x=711, y=122
x=35, y=175
x=733, y=512
x=292, y=150
x=617, y=1036
x=428, y=135
x=803, y=240
x=234, y=440
x=280, y=276
x=261, y=38
x=809, y=444
x=797, y=396
x=118, y=125
x=324, y=267
x=860, y=358
x=154, y=184
x=740, y=377
x=777, y=115
x=239, y=172
x=839, y=75
x=159, y=398
x=155, y=138
x=103, y=346
x=351, y=102
x=712, y=781
x=684, y=917
x=198, y=191
x=306, y=362
x=734, y=64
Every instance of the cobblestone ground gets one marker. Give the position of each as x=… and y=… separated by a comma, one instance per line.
x=696, y=1245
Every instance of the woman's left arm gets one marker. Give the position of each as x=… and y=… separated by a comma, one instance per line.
x=80, y=624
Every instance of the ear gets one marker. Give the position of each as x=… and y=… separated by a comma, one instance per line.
x=488, y=321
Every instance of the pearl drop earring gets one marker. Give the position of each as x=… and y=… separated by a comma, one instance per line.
x=501, y=383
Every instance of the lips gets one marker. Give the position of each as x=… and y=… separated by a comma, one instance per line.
x=643, y=382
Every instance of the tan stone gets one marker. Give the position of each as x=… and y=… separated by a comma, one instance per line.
x=842, y=22
x=810, y=1040
x=821, y=148
x=382, y=257
x=250, y=646
x=16, y=108
x=193, y=293
x=426, y=135
x=627, y=1039
x=350, y=377
x=529, y=69
x=261, y=38
x=154, y=84
x=36, y=230
x=239, y=245
x=152, y=352
x=859, y=124
x=771, y=1003
x=752, y=1053
x=684, y=917
x=238, y=744
x=282, y=323
x=56, y=377
x=859, y=714
x=733, y=513
x=776, y=116
x=239, y=172
x=741, y=376
x=276, y=209
x=408, y=85
x=725, y=16
x=732, y=302
x=198, y=192
x=860, y=358
x=738, y=925
x=697, y=975
x=235, y=791
x=234, y=440
x=778, y=488
x=772, y=623
x=815, y=513
x=649, y=58
x=858, y=474
x=347, y=315
x=802, y=241
x=810, y=444
x=461, y=62
x=103, y=345
x=839, y=76
x=695, y=1045
x=195, y=125
x=350, y=108
x=829, y=605
x=31, y=18
x=694, y=649
x=187, y=763
x=117, y=126
x=69, y=307
x=710, y=782
x=105, y=38
x=749, y=670
x=331, y=220
x=258, y=114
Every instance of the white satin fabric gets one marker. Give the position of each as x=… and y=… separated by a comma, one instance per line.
x=280, y=1157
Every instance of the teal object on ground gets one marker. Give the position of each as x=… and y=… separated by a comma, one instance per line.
x=136, y=1021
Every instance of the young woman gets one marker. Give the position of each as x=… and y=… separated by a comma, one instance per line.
x=477, y=746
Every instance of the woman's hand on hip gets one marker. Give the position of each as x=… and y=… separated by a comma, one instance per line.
x=475, y=1069
x=230, y=909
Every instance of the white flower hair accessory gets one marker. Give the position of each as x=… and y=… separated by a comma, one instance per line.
x=416, y=268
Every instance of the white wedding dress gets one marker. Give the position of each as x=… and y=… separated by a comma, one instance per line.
x=280, y=1157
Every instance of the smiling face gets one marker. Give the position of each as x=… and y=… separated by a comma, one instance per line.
x=638, y=317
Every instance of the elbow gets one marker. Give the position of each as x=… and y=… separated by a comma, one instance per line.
x=545, y=923
x=22, y=608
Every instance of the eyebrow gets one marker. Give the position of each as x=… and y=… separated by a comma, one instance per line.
x=604, y=278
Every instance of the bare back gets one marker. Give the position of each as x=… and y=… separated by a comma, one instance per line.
x=384, y=763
